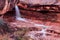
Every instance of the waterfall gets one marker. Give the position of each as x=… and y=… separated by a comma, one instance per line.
x=18, y=14
x=18, y=17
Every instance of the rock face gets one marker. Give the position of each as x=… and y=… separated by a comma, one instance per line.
x=6, y=5
x=35, y=20
x=1, y=4
x=41, y=2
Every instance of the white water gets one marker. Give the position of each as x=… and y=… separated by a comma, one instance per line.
x=43, y=31
x=18, y=14
x=18, y=17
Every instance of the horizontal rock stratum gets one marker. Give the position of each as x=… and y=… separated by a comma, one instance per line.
x=6, y=5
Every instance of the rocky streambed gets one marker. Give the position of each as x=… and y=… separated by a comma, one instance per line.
x=32, y=22
x=31, y=28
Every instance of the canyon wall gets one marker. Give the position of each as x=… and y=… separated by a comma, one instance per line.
x=6, y=5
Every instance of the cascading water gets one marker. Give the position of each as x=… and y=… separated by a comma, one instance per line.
x=18, y=14
x=43, y=31
x=18, y=17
